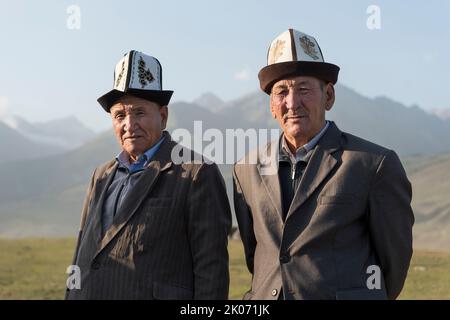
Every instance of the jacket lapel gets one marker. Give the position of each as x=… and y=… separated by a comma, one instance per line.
x=161, y=162
x=322, y=162
x=270, y=176
x=101, y=188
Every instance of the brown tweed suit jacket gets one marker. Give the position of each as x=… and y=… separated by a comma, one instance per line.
x=168, y=240
x=351, y=210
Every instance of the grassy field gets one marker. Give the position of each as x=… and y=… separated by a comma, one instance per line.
x=35, y=269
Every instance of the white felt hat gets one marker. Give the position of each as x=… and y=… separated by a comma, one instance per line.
x=294, y=53
x=139, y=75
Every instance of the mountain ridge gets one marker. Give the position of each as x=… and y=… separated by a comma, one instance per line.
x=49, y=192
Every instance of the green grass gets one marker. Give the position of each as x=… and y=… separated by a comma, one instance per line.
x=240, y=278
x=35, y=269
x=428, y=276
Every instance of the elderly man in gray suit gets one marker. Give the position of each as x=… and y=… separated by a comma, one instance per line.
x=152, y=227
x=333, y=219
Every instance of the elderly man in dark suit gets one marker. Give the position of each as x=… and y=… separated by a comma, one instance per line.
x=151, y=227
x=322, y=214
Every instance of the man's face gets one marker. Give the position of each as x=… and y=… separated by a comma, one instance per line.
x=299, y=105
x=138, y=124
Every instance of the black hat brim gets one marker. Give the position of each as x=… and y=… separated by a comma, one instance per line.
x=283, y=70
x=161, y=97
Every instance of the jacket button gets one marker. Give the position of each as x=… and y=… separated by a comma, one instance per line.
x=96, y=265
x=274, y=292
x=285, y=258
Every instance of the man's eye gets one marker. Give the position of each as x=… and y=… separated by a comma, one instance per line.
x=119, y=116
x=281, y=93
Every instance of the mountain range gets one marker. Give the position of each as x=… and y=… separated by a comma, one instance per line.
x=15, y=146
x=441, y=113
x=26, y=141
x=43, y=197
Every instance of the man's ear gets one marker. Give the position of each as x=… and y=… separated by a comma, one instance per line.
x=164, y=112
x=330, y=96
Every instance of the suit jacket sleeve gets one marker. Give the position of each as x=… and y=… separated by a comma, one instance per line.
x=391, y=219
x=209, y=223
x=245, y=222
x=84, y=212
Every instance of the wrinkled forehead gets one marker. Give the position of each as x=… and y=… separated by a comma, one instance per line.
x=296, y=81
x=131, y=103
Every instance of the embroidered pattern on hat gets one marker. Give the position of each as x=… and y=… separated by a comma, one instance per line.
x=309, y=47
x=119, y=77
x=277, y=51
x=144, y=75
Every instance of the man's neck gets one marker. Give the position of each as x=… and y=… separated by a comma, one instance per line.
x=295, y=143
x=133, y=158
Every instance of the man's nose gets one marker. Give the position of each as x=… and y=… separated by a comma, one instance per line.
x=293, y=100
x=129, y=123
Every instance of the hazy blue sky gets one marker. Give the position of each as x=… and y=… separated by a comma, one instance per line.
x=49, y=70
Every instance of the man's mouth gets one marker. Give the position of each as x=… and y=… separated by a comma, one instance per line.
x=297, y=116
x=131, y=138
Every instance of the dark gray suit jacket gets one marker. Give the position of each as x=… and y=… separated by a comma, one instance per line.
x=351, y=210
x=168, y=239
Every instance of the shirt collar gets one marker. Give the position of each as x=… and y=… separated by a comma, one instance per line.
x=124, y=159
x=305, y=149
